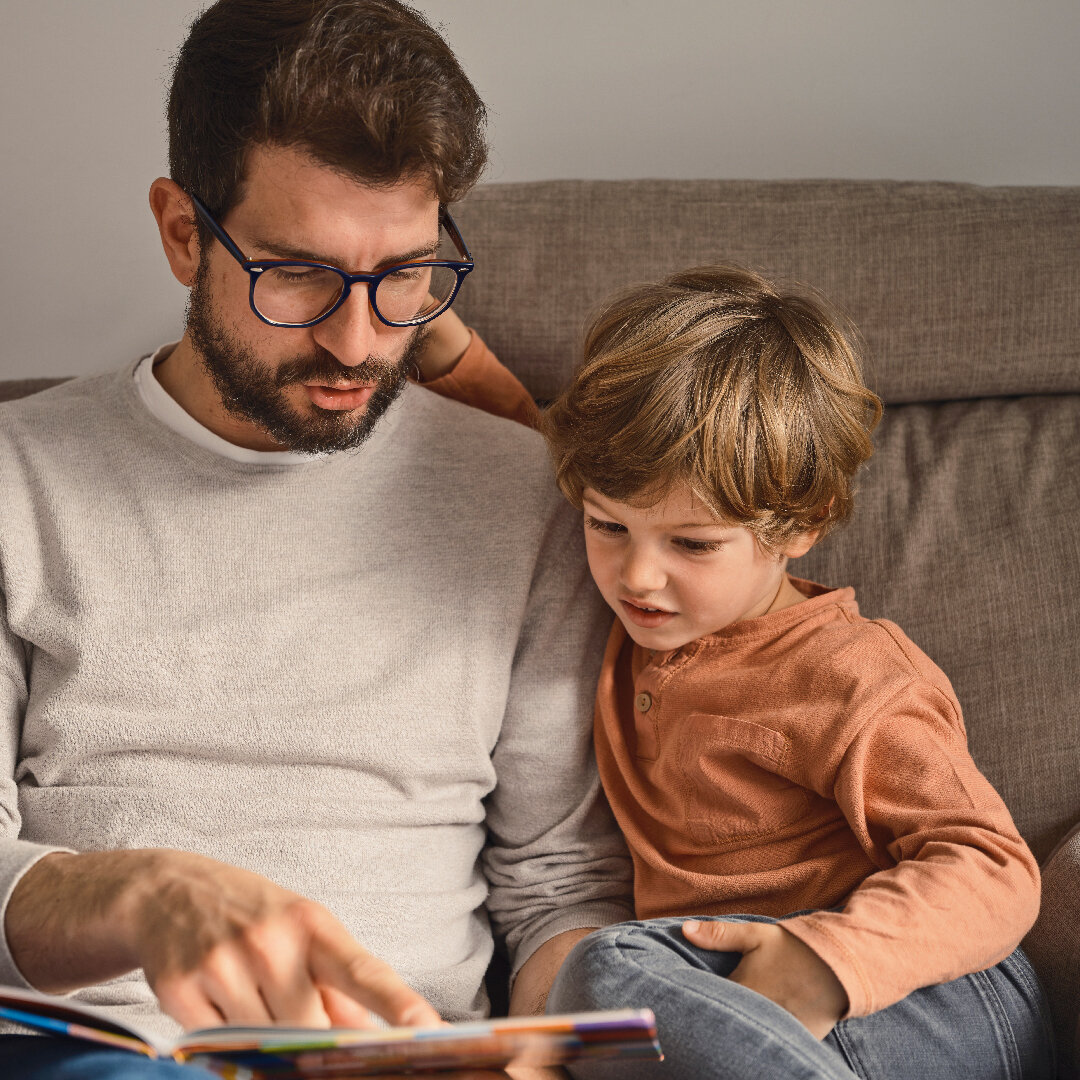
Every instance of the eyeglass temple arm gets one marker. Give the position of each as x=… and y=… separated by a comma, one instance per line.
x=226, y=240
x=455, y=233
x=230, y=245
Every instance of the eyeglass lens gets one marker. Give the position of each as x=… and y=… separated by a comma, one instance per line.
x=299, y=294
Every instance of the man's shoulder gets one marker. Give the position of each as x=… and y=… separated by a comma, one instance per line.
x=466, y=432
x=58, y=407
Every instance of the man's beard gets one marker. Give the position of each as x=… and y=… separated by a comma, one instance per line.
x=251, y=391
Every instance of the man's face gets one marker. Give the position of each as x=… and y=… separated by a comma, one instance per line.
x=323, y=387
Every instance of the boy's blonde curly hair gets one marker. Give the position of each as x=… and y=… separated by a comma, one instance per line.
x=750, y=394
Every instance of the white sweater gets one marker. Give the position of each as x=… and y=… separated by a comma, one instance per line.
x=368, y=676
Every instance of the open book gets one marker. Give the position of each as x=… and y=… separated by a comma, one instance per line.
x=284, y=1053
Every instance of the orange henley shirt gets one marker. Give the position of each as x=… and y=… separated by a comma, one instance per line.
x=479, y=379
x=812, y=759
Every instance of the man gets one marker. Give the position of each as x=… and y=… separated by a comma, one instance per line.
x=291, y=729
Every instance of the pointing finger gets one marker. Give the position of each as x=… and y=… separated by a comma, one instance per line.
x=336, y=960
x=343, y=1011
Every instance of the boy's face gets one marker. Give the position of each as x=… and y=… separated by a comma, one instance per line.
x=673, y=573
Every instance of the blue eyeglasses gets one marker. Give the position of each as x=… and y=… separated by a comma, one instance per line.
x=296, y=293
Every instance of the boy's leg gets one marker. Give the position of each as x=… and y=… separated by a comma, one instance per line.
x=42, y=1057
x=990, y=1026
x=709, y=1028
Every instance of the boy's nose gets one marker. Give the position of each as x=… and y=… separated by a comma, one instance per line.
x=641, y=573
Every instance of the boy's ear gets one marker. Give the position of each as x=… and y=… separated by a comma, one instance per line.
x=801, y=543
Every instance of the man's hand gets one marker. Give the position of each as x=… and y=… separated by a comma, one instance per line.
x=779, y=966
x=217, y=944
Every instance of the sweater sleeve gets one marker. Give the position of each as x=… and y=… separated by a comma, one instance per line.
x=480, y=380
x=555, y=859
x=958, y=887
x=16, y=856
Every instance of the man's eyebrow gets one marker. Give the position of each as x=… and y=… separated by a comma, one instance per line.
x=280, y=250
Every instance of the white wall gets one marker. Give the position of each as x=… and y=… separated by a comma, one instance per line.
x=974, y=90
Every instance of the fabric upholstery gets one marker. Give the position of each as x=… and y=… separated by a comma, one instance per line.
x=1054, y=949
x=961, y=291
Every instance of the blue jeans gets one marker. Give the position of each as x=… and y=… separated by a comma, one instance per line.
x=43, y=1057
x=992, y=1025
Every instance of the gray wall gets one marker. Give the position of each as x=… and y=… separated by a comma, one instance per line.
x=972, y=90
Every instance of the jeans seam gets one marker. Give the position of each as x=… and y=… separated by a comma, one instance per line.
x=1020, y=966
x=995, y=1005
x=748, y=1018
x=848, y=1052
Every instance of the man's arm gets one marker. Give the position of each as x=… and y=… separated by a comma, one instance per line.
x=555, y=859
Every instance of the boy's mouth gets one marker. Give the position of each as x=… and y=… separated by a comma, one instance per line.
x=643, y=615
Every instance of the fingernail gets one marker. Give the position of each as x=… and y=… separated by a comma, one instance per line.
x=691, y=927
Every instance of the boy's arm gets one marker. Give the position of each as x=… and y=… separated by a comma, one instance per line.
x=457, y=364
x=958, y=887
x=533, y=984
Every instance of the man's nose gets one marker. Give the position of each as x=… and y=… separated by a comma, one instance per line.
x=352, y=332
x=642, y=571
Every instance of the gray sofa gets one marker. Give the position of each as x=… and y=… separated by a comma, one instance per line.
x=967, y=524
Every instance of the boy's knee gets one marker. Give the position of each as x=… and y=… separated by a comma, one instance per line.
x=588, y=978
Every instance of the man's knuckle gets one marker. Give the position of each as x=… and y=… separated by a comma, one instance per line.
x=363, y=969
x=306, y=914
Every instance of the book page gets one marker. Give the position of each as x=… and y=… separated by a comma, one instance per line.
x=530, y=1040
x=52, y=1014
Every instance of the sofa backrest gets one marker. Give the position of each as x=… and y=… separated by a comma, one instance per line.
x=961, y=291
x=967, y=523
x=968, y=516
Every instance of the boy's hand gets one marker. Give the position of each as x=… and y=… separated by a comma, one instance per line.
x=779, y=966
x=444, y=342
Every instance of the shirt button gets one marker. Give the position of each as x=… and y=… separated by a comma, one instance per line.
x=643, y=702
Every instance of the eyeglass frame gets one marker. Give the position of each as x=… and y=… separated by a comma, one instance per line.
x=255, y=267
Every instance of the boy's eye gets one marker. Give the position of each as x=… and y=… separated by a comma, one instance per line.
x=698, y=546
x=608, y=528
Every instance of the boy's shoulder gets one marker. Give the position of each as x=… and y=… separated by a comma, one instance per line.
x=857, y=668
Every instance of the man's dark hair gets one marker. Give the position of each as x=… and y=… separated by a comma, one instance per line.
x=366, y=87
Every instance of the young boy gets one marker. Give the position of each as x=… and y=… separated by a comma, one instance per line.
x=793, y=776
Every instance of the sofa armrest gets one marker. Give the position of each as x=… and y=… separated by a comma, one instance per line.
x=1053, y=947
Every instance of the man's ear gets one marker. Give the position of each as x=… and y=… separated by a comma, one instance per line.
x=175, y=218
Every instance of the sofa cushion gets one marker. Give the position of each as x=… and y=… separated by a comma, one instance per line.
x=1054, y=949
